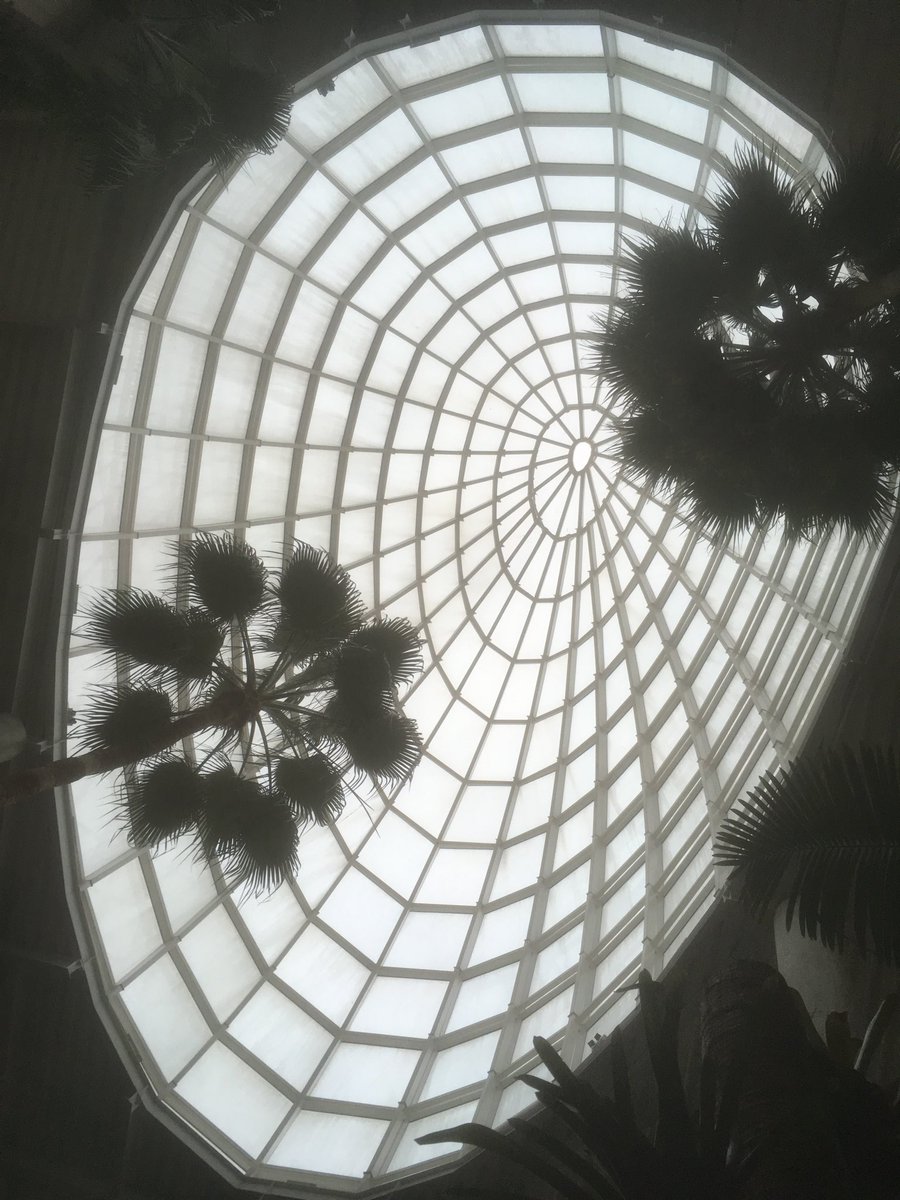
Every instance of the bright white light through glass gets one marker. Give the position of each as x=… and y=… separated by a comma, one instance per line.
x=372, y=340
x=581, y=454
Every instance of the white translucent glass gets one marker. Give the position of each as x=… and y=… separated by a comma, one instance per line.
x=409, y=1152
x=501, y=930
x=258, y=304
x=362, y=912
x=473, y=104
x=307, y=215
x=429, y=941
x=413, y=192
x=454, y=52
x=771, y=120
x=518, y=867
x=247, y=197
x=562, y=92
x=284, y=1037
x=543, y=1022
x=328, y=1142
x=454, y=877
x=271, y=919
x=318, y=968
x=220, y=962
x=199, y=296
x=320, y=116
x=163, y=1009
x=572, y=144
x=237, y=1100
x=486, y=157
x=396, y=853
x=567, y=895
x=543, y=39
x=652, y=158
x=366, y=1074
x=401, y=1007
x=124, y=915
x=557, y=959
x=461, y=1065
x=216, y=501
x=663, y=112
x=384, y=144
x=665, y=60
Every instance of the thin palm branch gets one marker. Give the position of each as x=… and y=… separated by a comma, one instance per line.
x=824, y=834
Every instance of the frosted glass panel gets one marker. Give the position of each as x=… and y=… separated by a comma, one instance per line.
x=236, y=1099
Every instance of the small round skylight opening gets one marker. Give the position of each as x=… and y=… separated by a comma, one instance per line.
x=372, y=340
x=580, y=455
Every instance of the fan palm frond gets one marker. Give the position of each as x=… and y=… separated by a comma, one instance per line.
x=674, y=275
x=386, y=747
x=251, y=829
x=857, y=210
x=162, y=802
x=392, y=641
x=761, y=230
x=129, y=719
x=248, y=112
x=223, y=575
x=312, y=787
x=319, y=604
x=142, y=627
x=826, y=832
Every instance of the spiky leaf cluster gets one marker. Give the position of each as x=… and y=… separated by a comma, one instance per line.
x=824, y=835
x=296, y=696
x=756, y=371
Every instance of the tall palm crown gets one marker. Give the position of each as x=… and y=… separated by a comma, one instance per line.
x=292, y=696
x=756, y=358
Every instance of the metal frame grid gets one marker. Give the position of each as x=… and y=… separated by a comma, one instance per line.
x=372, y=341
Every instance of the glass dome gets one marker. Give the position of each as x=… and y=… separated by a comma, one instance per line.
x=372, y=340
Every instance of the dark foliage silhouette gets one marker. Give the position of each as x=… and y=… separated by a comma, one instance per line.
x=824, y=834
x=293, y=694
x=755, y=359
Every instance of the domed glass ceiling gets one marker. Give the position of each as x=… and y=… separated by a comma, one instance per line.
x=371, y=340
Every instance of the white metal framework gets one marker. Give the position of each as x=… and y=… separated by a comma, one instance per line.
x=371, y=340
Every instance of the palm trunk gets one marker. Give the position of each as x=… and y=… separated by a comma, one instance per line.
x=31, y=782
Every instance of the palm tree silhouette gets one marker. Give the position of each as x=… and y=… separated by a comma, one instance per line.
x=295, y=694
x=824, y=834
x=137, y=84
x=756, y=358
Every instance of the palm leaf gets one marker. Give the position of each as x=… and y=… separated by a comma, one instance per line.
x=514, y=1149
x=150, y=633
x=825, y=832
x=251, y=829
x=319, y=605
x=312, y=787
x=857, y=209
x=393, y=642
x=673, y=275
x=761, y=229
x=603, y=1186
x=386, y=747
x=129, y=719
x=162, y=802
x=362, y=682
x=223, y=576
x=249, y=112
